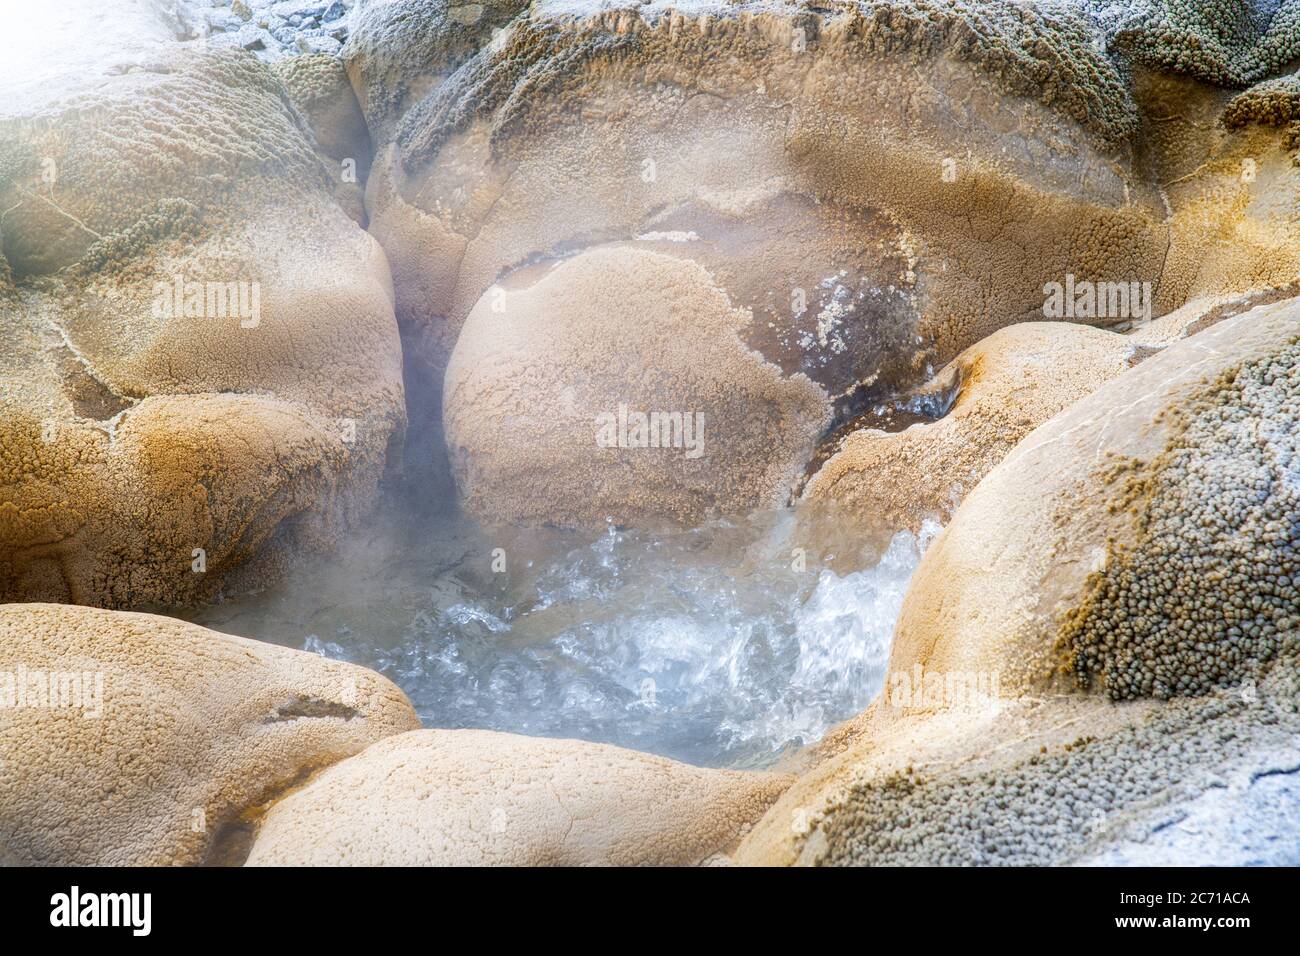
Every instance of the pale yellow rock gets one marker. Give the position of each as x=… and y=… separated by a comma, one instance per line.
x=990, y=591
x=472, y=797
x=880, y=193
x=156, y=448
x=1233, y=193
x=319, y=88
x=538, y=365
x=1025, y=764
x=174, y=734
x=1199, y=314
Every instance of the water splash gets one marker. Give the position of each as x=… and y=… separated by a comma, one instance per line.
x=711, y=645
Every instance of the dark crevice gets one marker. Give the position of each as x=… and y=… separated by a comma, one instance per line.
x=874, y=408
x=304, y=706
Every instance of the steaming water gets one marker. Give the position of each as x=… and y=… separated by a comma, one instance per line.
x=715, y=646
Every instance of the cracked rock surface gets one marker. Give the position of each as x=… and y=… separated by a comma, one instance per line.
x=880, y=185
x=769, y=144
x=202, y=375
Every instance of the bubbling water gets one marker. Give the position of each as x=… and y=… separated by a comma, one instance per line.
x=724, y=645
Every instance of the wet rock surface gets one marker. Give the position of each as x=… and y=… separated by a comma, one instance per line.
x=984, y=406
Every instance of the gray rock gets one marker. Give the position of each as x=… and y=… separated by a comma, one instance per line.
x=304, y=8
x=315, y=44
x=255, y=38
x=1247, y=822
x=223, y=21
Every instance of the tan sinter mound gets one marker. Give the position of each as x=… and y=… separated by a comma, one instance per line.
x=472, y=797
x=545, y=383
